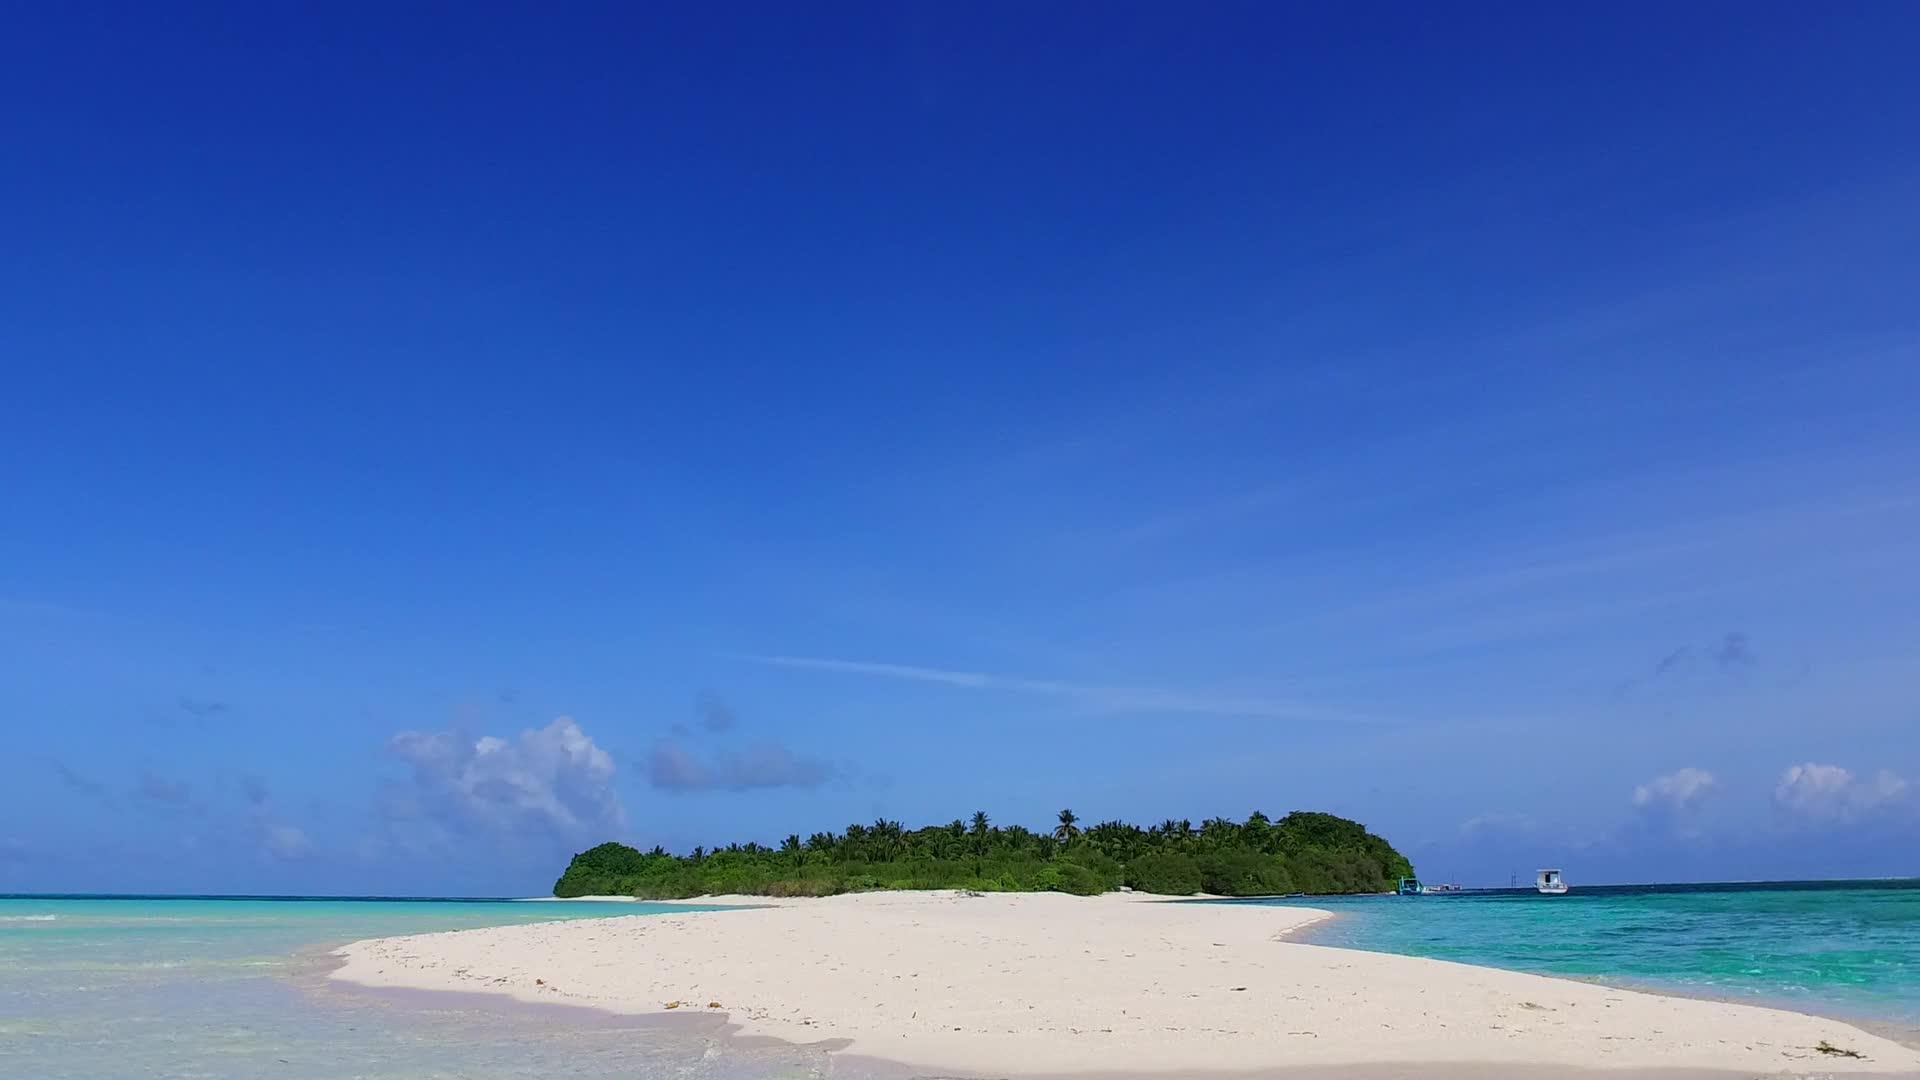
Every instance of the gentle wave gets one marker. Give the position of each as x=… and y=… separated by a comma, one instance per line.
x=28, y=918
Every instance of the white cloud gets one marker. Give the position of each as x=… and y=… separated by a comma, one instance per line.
x=1677, y=790
x=1829, y=794
x=553, y=779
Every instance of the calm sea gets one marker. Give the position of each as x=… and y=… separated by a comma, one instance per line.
x=232, y=989
x=1848, y=949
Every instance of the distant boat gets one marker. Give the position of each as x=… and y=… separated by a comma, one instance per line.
x=1429, y=890
x=1550, y=883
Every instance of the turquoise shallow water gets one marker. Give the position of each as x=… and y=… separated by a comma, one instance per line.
x=234, y=990
x=1845, y=949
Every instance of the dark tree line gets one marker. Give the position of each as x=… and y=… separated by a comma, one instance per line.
x=1301, y=852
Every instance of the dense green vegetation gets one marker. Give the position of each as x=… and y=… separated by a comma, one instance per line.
x=1302, y=852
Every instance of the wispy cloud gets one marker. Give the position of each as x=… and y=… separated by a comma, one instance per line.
x=672, y=767
x=1128, y=699
x=1520, y=590
x=1731, y=655
x=80, y=782
x=1672, y=660
x=1498, y=822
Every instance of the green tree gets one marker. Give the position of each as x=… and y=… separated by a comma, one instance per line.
x=1067, y=829
x=1304, y=851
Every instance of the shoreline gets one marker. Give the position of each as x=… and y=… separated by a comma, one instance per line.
x=1903, y=1031
x=1040, y=984
x=719, y=1030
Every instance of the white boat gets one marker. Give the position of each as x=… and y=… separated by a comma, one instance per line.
x=1550, y=883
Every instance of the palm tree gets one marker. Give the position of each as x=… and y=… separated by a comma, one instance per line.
x=1114, y=838
x=821, y=843
x=1218, y=831
x=1066, y=830
x=1257, y=832
x=888, y=838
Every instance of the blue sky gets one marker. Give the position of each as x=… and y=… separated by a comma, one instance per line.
x=432, y=442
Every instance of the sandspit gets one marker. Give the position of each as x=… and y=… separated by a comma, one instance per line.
x=1039, y=983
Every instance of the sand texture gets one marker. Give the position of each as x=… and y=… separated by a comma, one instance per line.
x=1029, y=984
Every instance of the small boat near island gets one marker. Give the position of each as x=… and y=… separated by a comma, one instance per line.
x=1549, y=883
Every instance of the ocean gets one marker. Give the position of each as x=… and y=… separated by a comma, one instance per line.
x=234, y=988
x=1846, y=949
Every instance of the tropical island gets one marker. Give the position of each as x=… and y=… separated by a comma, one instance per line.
x=1303, y=852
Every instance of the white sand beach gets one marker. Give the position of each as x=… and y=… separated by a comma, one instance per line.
x=1027, y=984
